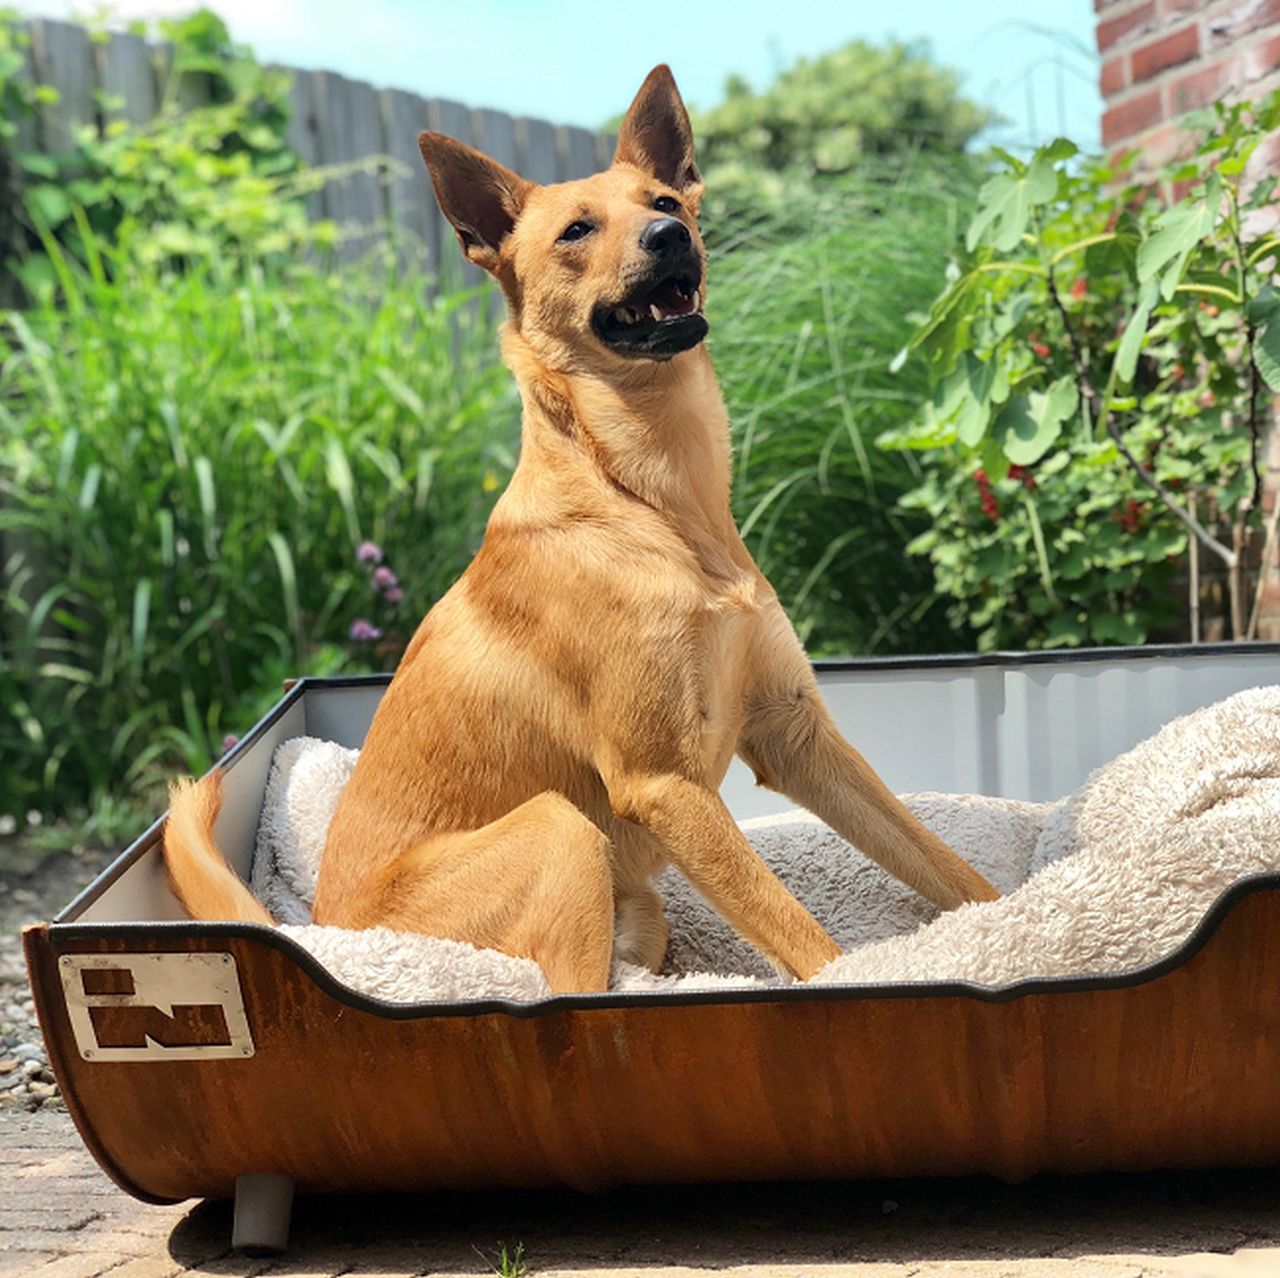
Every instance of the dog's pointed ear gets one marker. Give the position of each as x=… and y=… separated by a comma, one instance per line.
x=480, y=197
x=656, y=136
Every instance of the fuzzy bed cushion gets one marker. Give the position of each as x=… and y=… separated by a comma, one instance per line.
x=1110, y=878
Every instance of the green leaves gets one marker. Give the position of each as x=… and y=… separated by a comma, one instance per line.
x=1028, y=425
x=967, y=396
x=1135, y=334
x=1006, y=200
x=1264, y=313
x=1021, y=431
x=1177, y=232
x=1076, y=280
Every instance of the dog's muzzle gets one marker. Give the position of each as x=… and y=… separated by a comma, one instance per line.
x=662, y=314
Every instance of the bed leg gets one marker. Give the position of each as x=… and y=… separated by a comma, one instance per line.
x=264, y=1201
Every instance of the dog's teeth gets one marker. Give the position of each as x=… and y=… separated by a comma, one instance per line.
x=622, y=315
x=697, y=299
x=654, y=311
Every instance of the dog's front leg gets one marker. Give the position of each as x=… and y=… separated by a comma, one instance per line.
x=792, y=743
x=706, y=845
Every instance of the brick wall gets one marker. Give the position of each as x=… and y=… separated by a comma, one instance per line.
x=1163, y=57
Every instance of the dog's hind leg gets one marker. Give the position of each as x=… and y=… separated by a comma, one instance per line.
x=640, y=929
x=535, y=883
x=792, y=743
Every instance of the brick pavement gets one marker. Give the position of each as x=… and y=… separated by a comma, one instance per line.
x=61, y=1218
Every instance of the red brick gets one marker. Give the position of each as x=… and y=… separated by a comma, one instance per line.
x=1124, y=24
x=1261, y=57
x=1131, y=116
x=1115, y=75
x=1206, y=84
x=1168, y=51
x=1162, y=146
x=1242, y=18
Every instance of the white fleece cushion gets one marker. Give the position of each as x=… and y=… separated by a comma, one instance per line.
x=1113, y=877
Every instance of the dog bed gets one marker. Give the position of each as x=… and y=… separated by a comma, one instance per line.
x=1116, y=1010
x=1111, y=878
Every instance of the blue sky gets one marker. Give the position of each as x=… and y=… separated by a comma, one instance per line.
x=579, y=61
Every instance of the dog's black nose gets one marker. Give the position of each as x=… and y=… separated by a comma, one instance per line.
x=666, y=236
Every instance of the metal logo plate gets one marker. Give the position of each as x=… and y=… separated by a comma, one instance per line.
x=155, y=1007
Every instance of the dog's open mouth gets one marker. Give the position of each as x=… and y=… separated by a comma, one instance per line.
x=655, y=321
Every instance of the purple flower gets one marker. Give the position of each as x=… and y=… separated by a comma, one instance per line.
x=362, y=630
x=368, y=552
x=393, y=594
x=384, y=579
x=229, y=741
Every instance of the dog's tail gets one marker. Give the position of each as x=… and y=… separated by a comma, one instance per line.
x=205, y=884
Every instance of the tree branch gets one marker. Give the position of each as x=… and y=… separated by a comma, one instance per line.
x=1224, y=553
x=1083, y=384
x=1255, y=501
x=1198, y=530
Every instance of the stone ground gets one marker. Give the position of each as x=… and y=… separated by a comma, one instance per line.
x=60, y=1217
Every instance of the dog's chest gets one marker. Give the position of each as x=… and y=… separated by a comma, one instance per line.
x=729, y=617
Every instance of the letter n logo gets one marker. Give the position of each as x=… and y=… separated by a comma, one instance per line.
x=149, y=1007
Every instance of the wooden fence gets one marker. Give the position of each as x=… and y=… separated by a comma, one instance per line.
x=335, y=121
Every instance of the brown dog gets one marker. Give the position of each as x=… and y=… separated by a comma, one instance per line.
x=560, y=724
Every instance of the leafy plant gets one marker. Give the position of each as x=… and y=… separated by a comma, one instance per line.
x=1099, y=357
x=803, y=327
x=190, y=457
x=825, y=117
x=506, y=1262
x=197, y=180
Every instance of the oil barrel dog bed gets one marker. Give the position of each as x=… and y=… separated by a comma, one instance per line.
x=1117, y=1008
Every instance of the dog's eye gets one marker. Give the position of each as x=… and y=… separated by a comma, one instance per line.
x=575, y=231
x=665, y=204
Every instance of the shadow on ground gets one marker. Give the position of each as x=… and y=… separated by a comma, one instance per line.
x=712, y=1226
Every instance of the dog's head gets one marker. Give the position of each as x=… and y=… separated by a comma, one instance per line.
x=606, y=269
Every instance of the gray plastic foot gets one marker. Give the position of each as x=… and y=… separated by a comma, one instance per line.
x=264, y=1201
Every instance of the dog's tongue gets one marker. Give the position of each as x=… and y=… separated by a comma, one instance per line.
x=670, y=301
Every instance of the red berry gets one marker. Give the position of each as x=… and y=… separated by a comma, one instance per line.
x=1040, y=349
x=1079, y=287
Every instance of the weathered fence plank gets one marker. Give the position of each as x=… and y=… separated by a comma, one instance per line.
x=64, y=60
x=494, y=132
x=367, y=190
x=127, y=73
x=446, y=116
x=301, y=131
x=536, y=150
x=606, y=145
x=333, y=138
x=411, y=207
x=577, y=149
x=27, y=137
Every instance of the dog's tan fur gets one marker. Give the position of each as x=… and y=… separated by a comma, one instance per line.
x=560, y=724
